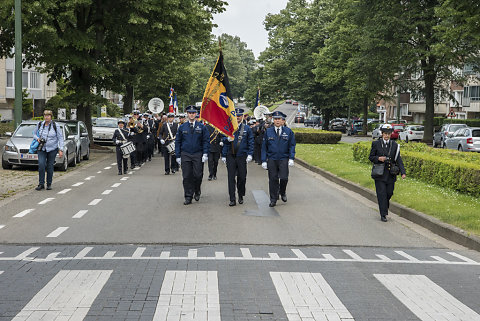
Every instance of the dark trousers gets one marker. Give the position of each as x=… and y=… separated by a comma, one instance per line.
x=277, y=178
x=150, y=147
x=192, y=173
x=121, y=160
x=384, y=194
x=170, y=162
x=236, y=168
x=257, y=153
x=46, y=161
x=140, y=153
x=133, y=159
x=213, y=158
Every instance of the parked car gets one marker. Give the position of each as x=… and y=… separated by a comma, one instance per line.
x=338, y=124
x=313, y=121
x=376, y=133
x=355, y=127
x=295, y=103
x=79, y=130
x=15, y=151
x=397, y=129
x=400, y=121
x=288, y=101
x=412, y=132
x=103, y=129
x=440, y=136
x=464, y=140
x=300, y=117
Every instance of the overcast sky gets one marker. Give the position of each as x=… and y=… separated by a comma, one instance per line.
x=244, y=18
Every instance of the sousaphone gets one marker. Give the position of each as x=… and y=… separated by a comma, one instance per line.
x=260, y=111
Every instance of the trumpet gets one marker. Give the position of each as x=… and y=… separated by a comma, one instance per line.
x=131, y=124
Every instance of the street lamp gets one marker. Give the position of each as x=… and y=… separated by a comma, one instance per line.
x=18, y=63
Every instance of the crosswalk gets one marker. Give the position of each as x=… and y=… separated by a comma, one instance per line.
x=196, y=295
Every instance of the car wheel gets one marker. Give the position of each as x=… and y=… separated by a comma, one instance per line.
x=444, y=146
x=406, y=139
x=87, y=156
x=79, y=156
x=460, y=148
x=64, y=165
x=74, y=161
x=434, y=145
x=6, y=165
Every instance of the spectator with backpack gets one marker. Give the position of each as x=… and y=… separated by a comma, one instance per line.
x=50, y=141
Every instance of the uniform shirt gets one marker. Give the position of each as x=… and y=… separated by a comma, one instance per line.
x=244, y=147
x=192, y=138
x=278, y=147
x=53, y=139
x=118, y=136
x=164, y=133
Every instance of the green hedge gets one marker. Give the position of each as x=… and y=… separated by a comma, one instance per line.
x=6, y=127
x=439, y=121
x=451, y=169
x=315, y=136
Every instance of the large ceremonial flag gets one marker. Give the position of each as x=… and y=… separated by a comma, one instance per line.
x=257, y=102
x=217, y=104
x=170, y=105
x=175, y=105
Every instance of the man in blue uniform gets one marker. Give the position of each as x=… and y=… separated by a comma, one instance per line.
x=119, y=138
x=191, y=151
x=278, y=153
x=236, y=154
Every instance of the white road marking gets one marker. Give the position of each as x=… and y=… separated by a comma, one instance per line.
x=189, y=295
x=130, y=173
x=80, y=214
x=108, y=167
x=99, y=172
x=77, y=184
x=299, y=254
x=68, y=296
x=246, y=253
x=124, y=178
x=106, y=192
x=109, y=254
x=25, y=212
x=426, y=299
x=116, y=184
x=95, y=201
x=89, y=178
x=353, y=255
x=407, y=256
x=65, y=191
x=113, y=164
x=136, y=168
x=83, y=252
x=192, y=254
x=307, y=296
x=461, y=257
x=45, y=201
x=1, y=272
x=58, y=231
x=138, y=252
x=2, y=226
x=26, y=253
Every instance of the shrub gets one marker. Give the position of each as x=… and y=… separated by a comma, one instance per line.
x=315, y=136
x=7, y=127
x=439, y=121
x=446, y=168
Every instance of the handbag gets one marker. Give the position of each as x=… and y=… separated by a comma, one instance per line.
x=377, y=170
x=394, y=170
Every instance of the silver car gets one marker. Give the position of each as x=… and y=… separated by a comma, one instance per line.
x=440, y=137
x=376, y=133
x=15, y=151
x=79, y=130
x=464, y=140
x=412, y=132
x=103, y=129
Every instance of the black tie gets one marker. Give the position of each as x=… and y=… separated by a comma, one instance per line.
x=278, y=132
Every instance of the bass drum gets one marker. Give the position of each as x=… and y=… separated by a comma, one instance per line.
x=171, y=148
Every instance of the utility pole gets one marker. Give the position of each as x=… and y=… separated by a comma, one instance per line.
x=18, y=63
x=398, y=104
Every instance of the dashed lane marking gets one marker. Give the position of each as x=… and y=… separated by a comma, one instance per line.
x=58, y=231
x=45, y=201
x=124, y=178
x=77, y=184
x=130, y=173
x=113, y=164
x=95, y=201
x=108, y=167
x=25, y=212
x=2, y=226
x=461, y=257
x=425, y=298
x=80, y=214
x=116, y=185
x=68, y=296
x=106, y=192
x=1, y=272
x=89, y=178
x=65, y=191
x=99, y=172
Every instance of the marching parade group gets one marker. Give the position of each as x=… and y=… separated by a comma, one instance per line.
x=187, y=143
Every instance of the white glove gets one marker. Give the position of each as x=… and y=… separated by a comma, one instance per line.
x=249, y=158
x=230, y=139
x=221, y=144
x=291, y=162
x=179, y=161
x=204, y=158
x=162, y=142
x=224, y=160
x=264, y=165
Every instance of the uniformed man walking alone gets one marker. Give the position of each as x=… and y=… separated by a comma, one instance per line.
x=278, y=153
x=191, y=151
x=236, y=154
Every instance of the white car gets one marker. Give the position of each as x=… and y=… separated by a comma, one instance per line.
x=412, y=132
x=103, y=129
x=376, y=133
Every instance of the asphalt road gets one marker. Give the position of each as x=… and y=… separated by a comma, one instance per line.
x=100, y=246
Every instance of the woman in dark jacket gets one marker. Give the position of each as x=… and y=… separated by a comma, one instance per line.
x=386, y=151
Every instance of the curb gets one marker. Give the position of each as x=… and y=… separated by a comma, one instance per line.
x=438, y=227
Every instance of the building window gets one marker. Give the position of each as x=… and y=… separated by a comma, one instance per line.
x=34, y=80
x=475, y=93
x=25, y=79
x=9, y=78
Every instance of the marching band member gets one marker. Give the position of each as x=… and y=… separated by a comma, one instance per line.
x=150, y=139
x=191, y=150
x=216, y=144
x=167, y=136
x=132, y=137
x=120, y=138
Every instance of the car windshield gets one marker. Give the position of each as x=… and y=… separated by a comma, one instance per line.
x=111, y=123
x=476, y=133
x=398, y=127
x=454, y=128
x=72, y=128
x=417, y=128
x=26, y=130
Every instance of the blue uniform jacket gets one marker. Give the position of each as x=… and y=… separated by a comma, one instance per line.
x=278, y=148
x=192, y=141
x=246, y=145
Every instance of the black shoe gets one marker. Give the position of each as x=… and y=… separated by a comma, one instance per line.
x=210, y=178
x=39, y=187
x=173, y=172
x=383, y=218
x=272, y=204
x=187, y=202
x=196, y=196
x=167, y=173
x=125, y=171
x=120, y=173
x=284, y=197
x=49, y=187
x=215, y=177
x=232, y=203
x=240, y=200
x=133, y=167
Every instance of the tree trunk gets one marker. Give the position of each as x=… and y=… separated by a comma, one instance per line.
x=430, y=78
x=327, y=115
x=128, y=99
x=365, y=116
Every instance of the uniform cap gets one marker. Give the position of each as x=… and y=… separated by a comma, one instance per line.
x=191, y=109
x=121, y=121
x=170, y=115
x=386, y=128
x=278, y=114
x=239, y=111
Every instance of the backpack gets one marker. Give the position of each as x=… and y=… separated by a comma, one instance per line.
x=54, y=126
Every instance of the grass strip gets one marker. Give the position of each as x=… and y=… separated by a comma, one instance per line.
x=447, y=205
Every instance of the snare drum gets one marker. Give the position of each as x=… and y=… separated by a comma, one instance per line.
x=127, y=148
x=171, y=148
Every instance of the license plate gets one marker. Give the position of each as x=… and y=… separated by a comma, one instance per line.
x=96, y=136
x=28, y=156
